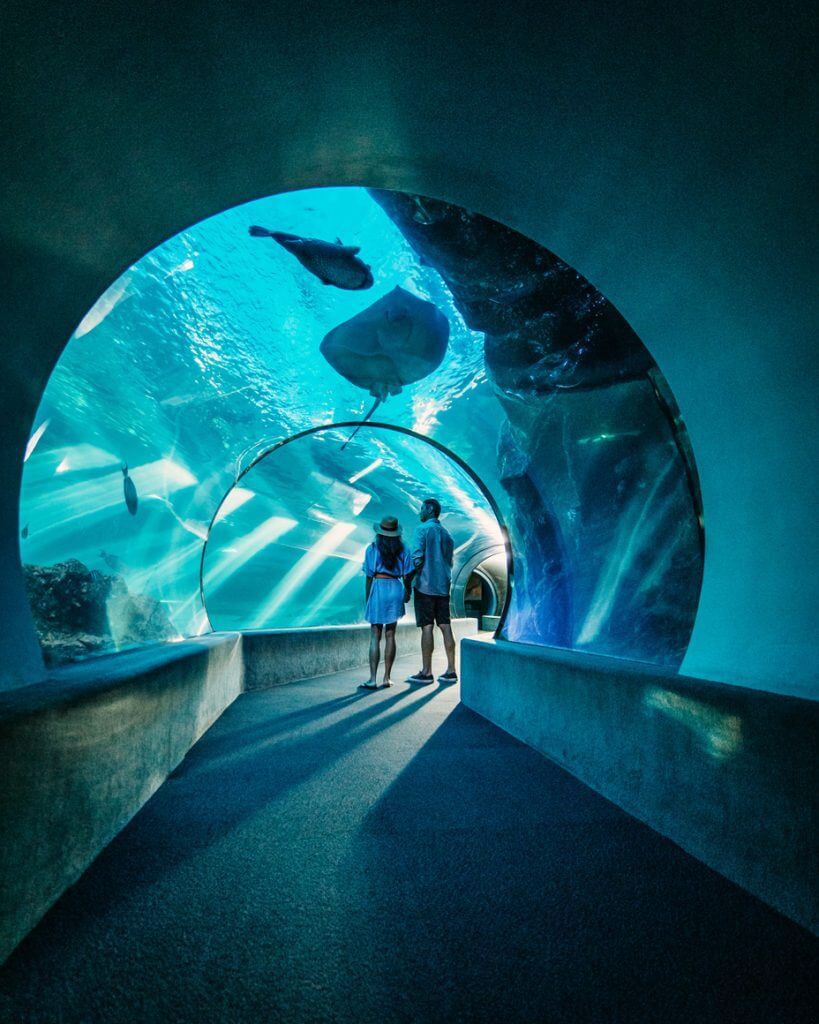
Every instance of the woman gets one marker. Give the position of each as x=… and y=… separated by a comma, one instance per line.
x=388, y=567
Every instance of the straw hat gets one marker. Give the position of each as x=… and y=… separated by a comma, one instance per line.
x=388, y=527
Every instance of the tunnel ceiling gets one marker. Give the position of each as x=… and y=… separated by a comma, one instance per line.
x=222, y=341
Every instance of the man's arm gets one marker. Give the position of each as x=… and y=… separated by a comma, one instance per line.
x=419, y=548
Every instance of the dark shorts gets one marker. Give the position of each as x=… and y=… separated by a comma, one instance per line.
x=430, y=609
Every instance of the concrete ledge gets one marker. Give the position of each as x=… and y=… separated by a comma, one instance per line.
x=729, y=774
x=277, y=656
x=84, y=750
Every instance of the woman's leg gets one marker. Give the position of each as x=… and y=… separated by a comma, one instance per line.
x=375, y=651
x=389, y=652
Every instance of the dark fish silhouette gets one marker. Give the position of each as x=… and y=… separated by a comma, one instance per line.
x=331, y=262
x=114, y=562
x=24, y=532
x=396, y=341
x=130, y=491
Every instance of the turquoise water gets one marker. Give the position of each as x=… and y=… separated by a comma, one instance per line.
x=206, y=352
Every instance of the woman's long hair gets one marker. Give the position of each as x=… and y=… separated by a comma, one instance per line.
x=389, y=548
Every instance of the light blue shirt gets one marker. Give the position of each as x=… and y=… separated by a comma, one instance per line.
x=432, y=554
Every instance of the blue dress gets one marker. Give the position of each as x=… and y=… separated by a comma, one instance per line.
x=386, y=601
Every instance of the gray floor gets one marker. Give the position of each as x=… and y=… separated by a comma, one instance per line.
x=325, y=854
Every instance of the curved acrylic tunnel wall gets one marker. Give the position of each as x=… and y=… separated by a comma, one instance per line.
x=208, y=350
x=288, y=542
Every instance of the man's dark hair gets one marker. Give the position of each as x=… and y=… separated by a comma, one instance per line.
x=434, y=505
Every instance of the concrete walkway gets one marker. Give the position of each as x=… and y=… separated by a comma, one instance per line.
x=325, y=854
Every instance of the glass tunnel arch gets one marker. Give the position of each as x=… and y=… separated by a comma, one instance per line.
x=474, y=564
x=216, y=336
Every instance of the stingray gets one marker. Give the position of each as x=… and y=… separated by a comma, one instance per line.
x=396, y=341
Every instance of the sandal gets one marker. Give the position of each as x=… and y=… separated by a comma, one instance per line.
x=368, y=686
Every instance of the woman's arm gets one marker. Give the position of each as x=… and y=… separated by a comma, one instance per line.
x=409, y=574
x=368, y=570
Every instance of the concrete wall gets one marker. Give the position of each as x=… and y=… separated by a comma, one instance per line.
x=277, y=656
x=665, y=151
x=83, y=751
x=730, y=774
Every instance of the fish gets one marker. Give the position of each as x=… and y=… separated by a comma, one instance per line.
x=398, y=340
x=114, y=562
x=331, y=262
x=24, y=532
x=130, y=491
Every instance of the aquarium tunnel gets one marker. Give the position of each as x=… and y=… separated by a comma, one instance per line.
x=273, y=272
x=198, y=460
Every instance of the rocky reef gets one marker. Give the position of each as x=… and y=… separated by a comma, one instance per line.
x=546, y=328
x=79, y=611
x=602, y=493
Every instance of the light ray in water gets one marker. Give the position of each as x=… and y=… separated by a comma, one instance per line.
x=105, y=305
x=301, y=571
x=91, y=498
x=164, y=568
x=238, y=496
x=425, y=413
x=181, y=268
x=468, y=506
x=316, y=513
x=363, y=472
x=619, y=563
x=348, y=571
x=339, y=495
x=34, y=440
x=84, y=456
x=250, y=545
x=198, y=529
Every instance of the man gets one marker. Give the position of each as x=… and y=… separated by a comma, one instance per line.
x=432, y=556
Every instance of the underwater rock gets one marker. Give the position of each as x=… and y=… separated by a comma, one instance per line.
x=603, y=519
x=542, y=578
x=79, y=611
x=546, y=328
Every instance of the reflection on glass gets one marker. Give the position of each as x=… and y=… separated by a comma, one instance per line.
x=719, y=733
x=211, y=346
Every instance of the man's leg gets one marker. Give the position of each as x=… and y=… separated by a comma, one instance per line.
x=389, y=652
x=449, y=647
x=375, y=652
x=427, y=646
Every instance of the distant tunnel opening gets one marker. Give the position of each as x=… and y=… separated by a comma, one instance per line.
x=286, y=544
